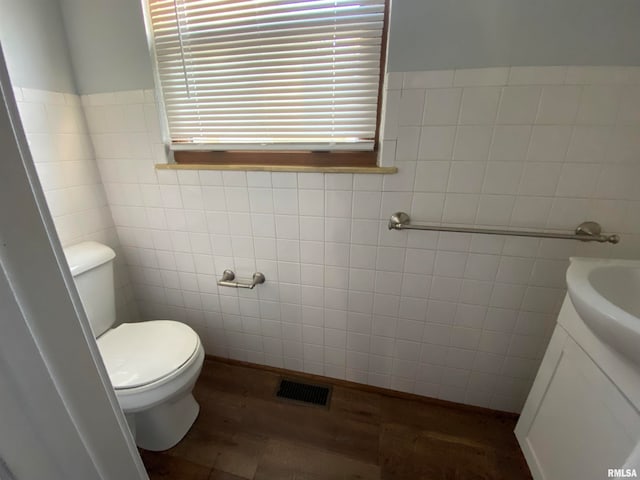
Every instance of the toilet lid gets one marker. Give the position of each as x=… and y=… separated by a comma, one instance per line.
x=137, y=354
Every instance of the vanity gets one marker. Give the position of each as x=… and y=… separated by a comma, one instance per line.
x=582, y=417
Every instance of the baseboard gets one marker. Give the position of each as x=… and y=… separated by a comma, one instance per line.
x=366, y=388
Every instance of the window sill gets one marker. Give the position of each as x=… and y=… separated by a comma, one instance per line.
x=280, y=161
x=275, y=168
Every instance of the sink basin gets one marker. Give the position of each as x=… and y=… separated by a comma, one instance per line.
x=606, y=295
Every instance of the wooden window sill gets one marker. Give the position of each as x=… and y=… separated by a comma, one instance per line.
x=279, y=161
x=274, y=168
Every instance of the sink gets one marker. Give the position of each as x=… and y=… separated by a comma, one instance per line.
x=606, y=295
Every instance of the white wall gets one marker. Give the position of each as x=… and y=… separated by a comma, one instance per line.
x=454, y=316
x=34, y=41
x=63, y=154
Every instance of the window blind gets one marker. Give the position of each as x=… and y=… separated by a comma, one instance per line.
x=269, y=74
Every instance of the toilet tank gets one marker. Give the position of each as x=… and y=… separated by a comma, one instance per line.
x=91, y=265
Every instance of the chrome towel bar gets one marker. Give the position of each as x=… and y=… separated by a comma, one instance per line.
x=585, y=232
x=228, y=276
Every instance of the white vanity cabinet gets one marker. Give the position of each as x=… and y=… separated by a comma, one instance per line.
x=582, y=416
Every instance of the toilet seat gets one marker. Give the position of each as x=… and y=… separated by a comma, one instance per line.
x=150, y=353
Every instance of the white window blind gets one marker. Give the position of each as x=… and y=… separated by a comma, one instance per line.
x=269, y=74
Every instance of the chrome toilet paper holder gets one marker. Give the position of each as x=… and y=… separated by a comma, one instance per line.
x=228, y=277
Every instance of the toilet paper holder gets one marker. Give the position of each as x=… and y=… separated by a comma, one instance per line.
x=228, y=277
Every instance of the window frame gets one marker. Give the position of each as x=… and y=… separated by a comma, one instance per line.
x=246, y=159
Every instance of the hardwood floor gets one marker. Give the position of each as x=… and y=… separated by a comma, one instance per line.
x=245, y=432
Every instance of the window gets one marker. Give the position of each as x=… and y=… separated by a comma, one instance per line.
x=270, y=81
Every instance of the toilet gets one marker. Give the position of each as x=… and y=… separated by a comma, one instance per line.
x=152, y=365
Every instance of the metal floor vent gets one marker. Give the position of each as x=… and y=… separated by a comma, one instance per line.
x=304, y=392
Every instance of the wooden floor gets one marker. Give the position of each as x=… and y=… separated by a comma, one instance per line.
x=244, y=432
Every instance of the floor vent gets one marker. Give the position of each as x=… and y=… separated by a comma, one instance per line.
x=306, y=393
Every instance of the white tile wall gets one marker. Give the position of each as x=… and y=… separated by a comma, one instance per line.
x=63, y=155
x=455, y=316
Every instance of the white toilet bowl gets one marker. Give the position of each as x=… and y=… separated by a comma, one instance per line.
x=153, y=367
